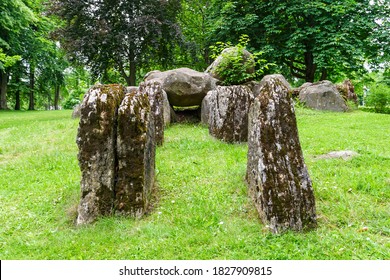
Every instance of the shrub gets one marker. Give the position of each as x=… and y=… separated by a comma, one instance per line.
x=379, y=98
x=237, y=66
x=72, y=100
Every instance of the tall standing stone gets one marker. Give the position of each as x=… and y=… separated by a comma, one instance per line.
x=136, y=155
x=96, y=140
x=278, y=179
x=228, y=108
x=157, y=106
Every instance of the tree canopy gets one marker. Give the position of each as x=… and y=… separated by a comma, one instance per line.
x=313, y=39
x=119, y=34
x=44, y=41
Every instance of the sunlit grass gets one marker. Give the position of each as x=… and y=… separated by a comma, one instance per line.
x=203, y=211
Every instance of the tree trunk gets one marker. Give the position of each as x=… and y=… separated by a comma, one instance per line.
x=3, y=90
x=324, y=74
x=17, y=100
x=17, y=93
x=56, y=97
x=133, y=69
x=310, y=67
x=31, y=104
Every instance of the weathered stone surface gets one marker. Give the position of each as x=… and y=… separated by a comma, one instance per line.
x=323, y=95
x=167, y=111
x=185, y=87
x=347, y=90
x=296, y=91
x=157, y=106
x=205, y=109
x=258, y=86
x=96, y=140
x=76, y=111
x=135, y=155
x=228, y=112
x=131, y=89
x=233, y=50
x=278, y=179
x=345, y=155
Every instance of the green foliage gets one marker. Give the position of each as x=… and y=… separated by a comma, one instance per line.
x=72, y=100
x=203, y=211
x=120, y=35
x=379, y=97
x=312, y=40
x=195, y=21
x=235, y=67
x=8, y=61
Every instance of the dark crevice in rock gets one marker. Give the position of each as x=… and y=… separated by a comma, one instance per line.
x=116, y=160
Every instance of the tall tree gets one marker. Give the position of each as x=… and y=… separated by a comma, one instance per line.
x=313, y=39
x=119, y=34
x=15, y=15
x=196, y=20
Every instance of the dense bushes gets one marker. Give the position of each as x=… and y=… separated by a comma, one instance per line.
x=379, y=98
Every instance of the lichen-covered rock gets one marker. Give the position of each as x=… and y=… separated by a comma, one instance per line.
x=296, y=91
x=323, y=95
x=96, y=140
x=185, y=87
x=345, y=155
x=157, y=106
x=233, y=51
x=228, y=112
x=131, y=89
x=278, y=179
x=258, y=86
x=347, y=90
x=135, y=155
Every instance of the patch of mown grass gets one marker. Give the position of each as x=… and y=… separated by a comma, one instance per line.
x=203, y=210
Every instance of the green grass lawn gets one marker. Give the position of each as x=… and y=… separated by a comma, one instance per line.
x=203, y=211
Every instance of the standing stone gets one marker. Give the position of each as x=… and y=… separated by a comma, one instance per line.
x=205, y=109
x=131, y=89
x=135, y=155
x=257, y=88
x=96, y=140
x=228, y=112
x=76, y=113
x=347, y=90
x=156, y=99
x=278, y=179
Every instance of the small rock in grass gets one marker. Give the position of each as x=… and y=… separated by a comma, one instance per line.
x=345, y=155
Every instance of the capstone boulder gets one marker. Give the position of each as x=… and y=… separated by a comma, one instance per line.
x=245, y=55
x=185, y=87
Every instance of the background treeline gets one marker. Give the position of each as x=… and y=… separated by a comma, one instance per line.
x=51, y=51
